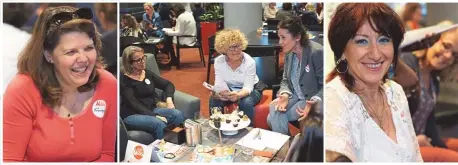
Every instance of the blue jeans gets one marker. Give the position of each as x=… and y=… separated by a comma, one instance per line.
x=278, y=121
x=246, y=104
x=152, y=124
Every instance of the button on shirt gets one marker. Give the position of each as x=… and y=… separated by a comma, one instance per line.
x=244, y=77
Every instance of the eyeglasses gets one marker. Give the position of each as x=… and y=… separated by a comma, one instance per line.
x=236, y=47
x=60, y=18
x=143, y=59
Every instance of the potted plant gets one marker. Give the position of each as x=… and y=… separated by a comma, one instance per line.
x=210, y=22
x=213, y=13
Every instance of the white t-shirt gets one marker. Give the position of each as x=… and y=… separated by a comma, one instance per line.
x=350, y=131
x=244, y=77
x=14, y=40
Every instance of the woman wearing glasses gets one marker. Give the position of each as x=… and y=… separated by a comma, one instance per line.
x=62, y=105
x=422, y=99
x=236, y=70
x=139, y=108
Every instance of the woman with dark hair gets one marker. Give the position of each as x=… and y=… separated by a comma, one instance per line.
x=367, y=114
x=320, y=11
x=62, y=105
x=286, y=10
x=427, y=64
x=302, y=81
x=412, y=16
x=198, y=11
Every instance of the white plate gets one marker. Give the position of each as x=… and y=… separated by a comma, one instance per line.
x=230, y=127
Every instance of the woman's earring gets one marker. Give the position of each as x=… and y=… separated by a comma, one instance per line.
x=48, y=57
x=342, y=65
x=391, y=71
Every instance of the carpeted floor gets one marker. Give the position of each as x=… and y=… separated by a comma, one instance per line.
x=190, y=77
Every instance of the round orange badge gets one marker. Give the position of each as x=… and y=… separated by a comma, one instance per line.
x=138, y=152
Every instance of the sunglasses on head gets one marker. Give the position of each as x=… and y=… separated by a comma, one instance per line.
x=60, y=18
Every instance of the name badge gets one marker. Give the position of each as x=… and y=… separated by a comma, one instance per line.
x=99, y=108
x=137, y=152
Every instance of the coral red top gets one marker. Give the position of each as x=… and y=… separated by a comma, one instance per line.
x=33, y=132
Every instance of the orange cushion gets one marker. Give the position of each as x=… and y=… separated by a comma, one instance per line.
x=261, y=110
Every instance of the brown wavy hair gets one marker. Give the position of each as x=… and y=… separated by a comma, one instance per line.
x=294, y=26
x=347, y=20
x=45, y=37
x=131, y=22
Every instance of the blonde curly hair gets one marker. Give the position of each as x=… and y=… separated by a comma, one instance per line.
x=228, y=37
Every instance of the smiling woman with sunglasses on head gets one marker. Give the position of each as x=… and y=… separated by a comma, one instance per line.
x=61, y=107
x=141, y=108
x=428, y=63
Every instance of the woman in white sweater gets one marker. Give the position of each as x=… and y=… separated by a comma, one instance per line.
x=186, y=25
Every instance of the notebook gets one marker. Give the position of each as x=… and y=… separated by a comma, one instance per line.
x=416, y=39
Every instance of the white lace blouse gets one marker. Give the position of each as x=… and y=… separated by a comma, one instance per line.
x=350, y=131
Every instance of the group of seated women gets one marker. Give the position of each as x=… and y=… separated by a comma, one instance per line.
x=301, y=85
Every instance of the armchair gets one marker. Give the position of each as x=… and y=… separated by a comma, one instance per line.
x=197, y=45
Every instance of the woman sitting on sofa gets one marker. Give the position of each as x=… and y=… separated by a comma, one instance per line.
x=141, y=108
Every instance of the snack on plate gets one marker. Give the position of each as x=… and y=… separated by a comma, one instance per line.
x=228, y=121
x=245, y=118
x=240, y=114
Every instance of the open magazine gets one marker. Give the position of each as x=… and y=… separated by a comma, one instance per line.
x=217, y=88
